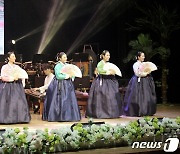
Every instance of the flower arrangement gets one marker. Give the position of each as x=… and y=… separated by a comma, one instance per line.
x=91, y=136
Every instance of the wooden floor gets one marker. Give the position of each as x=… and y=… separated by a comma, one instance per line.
x=36, y=122
x=122, y=150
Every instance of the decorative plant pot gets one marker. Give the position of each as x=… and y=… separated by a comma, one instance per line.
x=85, y=145
x=58, y=148
x=100, y=144
x=119, y=143
x=147, y=138
x=158, y=138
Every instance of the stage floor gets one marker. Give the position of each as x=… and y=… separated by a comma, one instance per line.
x=170, y=110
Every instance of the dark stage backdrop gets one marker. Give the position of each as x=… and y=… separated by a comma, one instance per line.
x=24, y=16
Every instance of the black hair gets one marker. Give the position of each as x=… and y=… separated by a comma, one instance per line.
x=46, y=66
x=8, y=55
x=138, y=54
x=59, y=55
x=103, y=53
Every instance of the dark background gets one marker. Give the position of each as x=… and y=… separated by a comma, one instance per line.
x=23, y=16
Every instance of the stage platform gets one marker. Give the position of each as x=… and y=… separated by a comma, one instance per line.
x=169, y=110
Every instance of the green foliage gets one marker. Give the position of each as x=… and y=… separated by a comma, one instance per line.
x=163, y=52
x=92, y=136
x=144, y=44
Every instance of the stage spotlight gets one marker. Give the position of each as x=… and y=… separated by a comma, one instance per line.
x=13, y=42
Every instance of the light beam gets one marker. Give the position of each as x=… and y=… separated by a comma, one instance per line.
x=60, y=12
x=101, y=18
x=38, y=29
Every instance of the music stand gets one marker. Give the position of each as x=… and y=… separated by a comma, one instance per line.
x=40, y=58
x=80, y=57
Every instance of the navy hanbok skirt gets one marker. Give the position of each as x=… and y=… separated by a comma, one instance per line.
x=13, y=104
x=140, y=97
x=104, y=98
x=60, y=103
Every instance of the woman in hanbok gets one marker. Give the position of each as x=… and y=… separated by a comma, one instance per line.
x=13, y=104
x=60, y=102
x=104, y=97
x=140, y=96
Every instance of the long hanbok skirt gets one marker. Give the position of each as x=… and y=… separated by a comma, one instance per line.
x=60, y=103
x=13, y=104
x=140, y=97
x=104, y=98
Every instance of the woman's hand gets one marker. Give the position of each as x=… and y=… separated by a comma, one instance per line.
x=70, y=75
x=35, y=89
x=16, y=78
x=148, y=71
x=67, y=76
